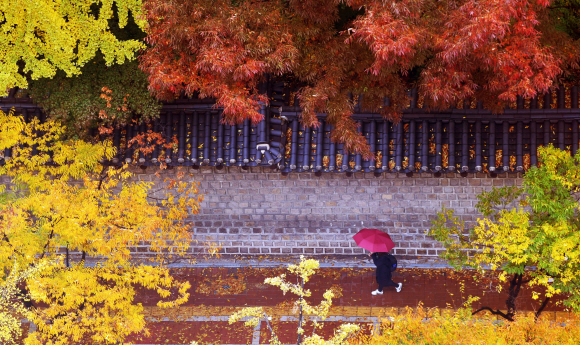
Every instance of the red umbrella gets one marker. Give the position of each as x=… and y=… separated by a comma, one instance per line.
x=374, y=240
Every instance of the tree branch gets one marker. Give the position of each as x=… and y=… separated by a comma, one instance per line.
x=102, y=176
x=353, y=335
x=54, y=223
x=271, y=330
x=5, y=239
x=47, y=242
x=544, y=304
x=496, y=312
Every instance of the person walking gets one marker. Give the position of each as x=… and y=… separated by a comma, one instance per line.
x=386, y=263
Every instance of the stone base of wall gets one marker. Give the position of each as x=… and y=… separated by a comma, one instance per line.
x=226, y=260
x=261, y=212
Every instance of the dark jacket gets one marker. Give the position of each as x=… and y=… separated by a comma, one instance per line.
x=383, y=267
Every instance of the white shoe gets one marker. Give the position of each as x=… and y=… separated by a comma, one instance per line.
x=376, y=292
x=399, y=287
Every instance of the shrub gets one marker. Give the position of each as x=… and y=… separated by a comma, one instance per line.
x=433, y=326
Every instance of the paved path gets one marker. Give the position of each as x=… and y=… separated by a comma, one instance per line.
x=218, y=292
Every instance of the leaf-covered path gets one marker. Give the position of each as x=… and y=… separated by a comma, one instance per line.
x=217, y=292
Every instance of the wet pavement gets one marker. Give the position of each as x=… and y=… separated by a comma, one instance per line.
x=217, y=292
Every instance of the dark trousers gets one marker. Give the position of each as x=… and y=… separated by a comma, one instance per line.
x=386, y=283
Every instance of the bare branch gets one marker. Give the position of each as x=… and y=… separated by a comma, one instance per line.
x=496, y=312
x=544, y=304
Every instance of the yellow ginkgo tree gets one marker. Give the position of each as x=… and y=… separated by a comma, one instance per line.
x=13, y=304
x=303, y=271
x=64, y=203
x=530, y=234
x=38, y=38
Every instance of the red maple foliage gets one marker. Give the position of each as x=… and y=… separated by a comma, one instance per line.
x=330, y=50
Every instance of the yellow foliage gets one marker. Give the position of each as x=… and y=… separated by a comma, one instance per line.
x=12, y=308
x=442, y=327
x=304, y=270
x=530, y=230
x=44, y=36
x=65, y=200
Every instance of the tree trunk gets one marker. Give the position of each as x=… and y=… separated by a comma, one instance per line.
x=300, y=315
x=513, y=292
x=23, y=296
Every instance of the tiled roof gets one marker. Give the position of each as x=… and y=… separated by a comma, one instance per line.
x=471, y=139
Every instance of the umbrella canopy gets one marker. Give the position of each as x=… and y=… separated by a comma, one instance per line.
x=374, y=240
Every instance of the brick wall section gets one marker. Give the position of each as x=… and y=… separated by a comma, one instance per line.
x=261, y=212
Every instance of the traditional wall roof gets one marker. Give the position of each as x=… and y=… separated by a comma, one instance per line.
x=470, y=139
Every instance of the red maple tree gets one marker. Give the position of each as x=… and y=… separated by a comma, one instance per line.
x=330, y=50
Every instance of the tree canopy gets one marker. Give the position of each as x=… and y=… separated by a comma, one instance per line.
x=332, y=54
x=331, y=51
x=101, y=95
x=65, y=207
x=530, y=233
x=39, y=38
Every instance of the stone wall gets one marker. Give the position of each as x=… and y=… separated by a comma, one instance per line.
x=262, y=212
